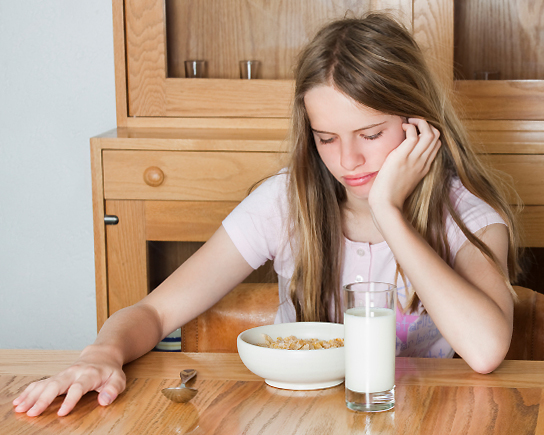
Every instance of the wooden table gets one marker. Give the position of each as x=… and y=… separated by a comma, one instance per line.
x=433, y=397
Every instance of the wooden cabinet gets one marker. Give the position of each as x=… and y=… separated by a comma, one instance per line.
x=187, y=150
x=160, y=34
x=463, y=40
x=202, y=177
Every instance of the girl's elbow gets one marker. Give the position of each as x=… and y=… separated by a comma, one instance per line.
x=488, y=361
x=485, y=366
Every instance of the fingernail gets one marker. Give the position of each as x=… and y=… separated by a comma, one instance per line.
x=105, y=398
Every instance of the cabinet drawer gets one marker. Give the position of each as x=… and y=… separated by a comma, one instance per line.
x=185, y=176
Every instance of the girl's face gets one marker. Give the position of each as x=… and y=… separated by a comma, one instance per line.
x=352, y=140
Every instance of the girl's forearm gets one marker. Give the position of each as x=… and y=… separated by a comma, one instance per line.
x=468, y=318
x=129, y=333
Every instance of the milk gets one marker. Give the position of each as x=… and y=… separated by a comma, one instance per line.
x=369, y=346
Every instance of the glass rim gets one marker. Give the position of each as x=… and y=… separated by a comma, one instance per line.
x=392, y=287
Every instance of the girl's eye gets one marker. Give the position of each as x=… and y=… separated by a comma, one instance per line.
x=374, y=136
x=324, y=141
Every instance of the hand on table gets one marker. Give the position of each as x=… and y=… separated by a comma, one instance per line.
x=95, y=370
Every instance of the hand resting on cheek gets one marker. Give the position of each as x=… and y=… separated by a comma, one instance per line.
x=406, y=165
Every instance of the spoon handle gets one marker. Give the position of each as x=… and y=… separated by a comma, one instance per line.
x=187, y=375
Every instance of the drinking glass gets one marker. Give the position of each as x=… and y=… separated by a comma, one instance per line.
x=369, y=342
x=249, y=69
x=195, y=69
x=487, y=75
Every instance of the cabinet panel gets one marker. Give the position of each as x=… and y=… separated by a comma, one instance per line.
x=510, y=141
x=191, y=221
x=532, y=222
x=527, y=173
x=433, y=31
x=272, y=31
x=498, y=59
x=126, y=255
x=502, y=38
x=501, y=99
x=219, y=97
x=189, y=176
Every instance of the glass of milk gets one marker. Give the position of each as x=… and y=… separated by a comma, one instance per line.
x=369, y=345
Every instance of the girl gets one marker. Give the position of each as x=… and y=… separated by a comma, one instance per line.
x=382, y=186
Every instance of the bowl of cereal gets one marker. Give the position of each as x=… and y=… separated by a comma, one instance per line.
x=295, y=356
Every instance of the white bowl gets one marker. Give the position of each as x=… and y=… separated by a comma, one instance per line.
x=294, y=369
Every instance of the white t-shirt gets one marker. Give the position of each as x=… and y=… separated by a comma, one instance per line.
x=258, y=228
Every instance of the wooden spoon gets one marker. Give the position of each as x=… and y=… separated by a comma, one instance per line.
x=181, y=394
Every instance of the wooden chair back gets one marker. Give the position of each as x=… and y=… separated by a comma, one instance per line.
x=528, y=333
x=216, y=330
x=250, y=305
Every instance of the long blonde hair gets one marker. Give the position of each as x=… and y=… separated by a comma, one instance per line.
x=376, y=62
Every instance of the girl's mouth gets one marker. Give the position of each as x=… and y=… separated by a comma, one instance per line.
x=359, y=180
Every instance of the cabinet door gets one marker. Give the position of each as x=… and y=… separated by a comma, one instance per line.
x=498, y=58
x=160, y=34
x=144, y=222
x=126, y=255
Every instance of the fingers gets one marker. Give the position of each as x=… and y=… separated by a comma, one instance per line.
x=75, y=392
x=39, y=395
x=112, y=388
x=108, y=392
x=411, y=134
x=428, y=141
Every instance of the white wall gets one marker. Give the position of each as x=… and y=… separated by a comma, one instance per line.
x=56, y=91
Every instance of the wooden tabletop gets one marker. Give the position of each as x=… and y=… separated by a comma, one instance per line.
x=432, y=397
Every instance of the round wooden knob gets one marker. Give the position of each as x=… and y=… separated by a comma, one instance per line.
x=153, y=176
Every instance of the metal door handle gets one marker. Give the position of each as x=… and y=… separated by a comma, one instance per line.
x=110, y=219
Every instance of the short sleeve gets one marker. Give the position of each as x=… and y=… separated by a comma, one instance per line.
x=256, y=225
x=474, y=213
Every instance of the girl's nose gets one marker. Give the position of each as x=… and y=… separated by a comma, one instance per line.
x=351, y=157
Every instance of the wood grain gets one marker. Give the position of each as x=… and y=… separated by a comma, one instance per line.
x=126, y=255
x=216, y=330
x=229, y=98
x=161, y=36
x=526, y=172
x=192, y=122
x=191, y=221
x=145, y=57
x=501, y=99
x=510, y=142
x=433, y=31
x=196, y=139
x=101, y=277
x=504, y=125
x=467, y=410
x=499, y=35
x=432, y=396
x=272, y=31
x=532, y=221
x=119, y=50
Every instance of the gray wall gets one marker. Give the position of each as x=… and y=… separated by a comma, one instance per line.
x=56, y=91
